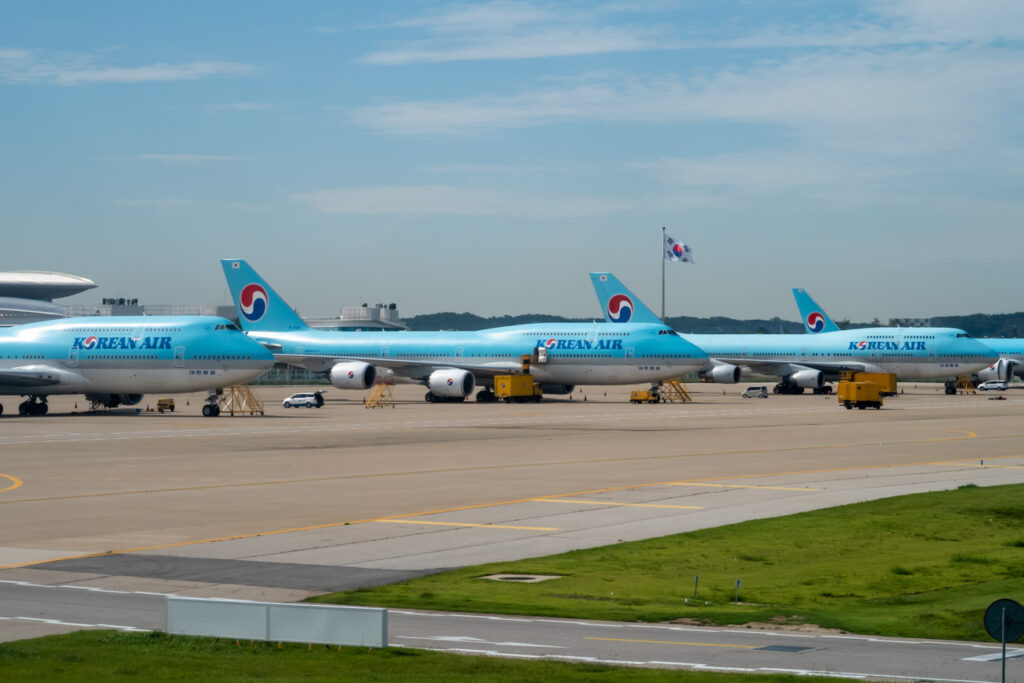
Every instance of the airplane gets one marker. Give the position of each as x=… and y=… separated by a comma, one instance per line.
x=804, y=361
x=559, y=356
x=115, y=360
x=1010, y=350
x=814, y=317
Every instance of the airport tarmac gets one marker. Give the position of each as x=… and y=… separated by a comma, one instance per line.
x=300, y=501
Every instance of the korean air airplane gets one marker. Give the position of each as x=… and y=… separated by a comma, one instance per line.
x=1010, y=350
x=804, y=361
x=452, y=364
x=115, y=360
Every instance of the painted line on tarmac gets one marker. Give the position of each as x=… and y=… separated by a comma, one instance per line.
x=15, y=483
x=462, y=508
x=58, y=622
x=616, y=504
x=291, y=429
x=465, y=524
x=545, y=463
x=675, y=642
x=739, y=486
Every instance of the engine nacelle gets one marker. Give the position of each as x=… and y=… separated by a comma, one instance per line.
x=723, y=373
x=114, y=400
x=808, y=379
x=557, y=389
x=353, y=375
x=1004, y=368
x=451, y=383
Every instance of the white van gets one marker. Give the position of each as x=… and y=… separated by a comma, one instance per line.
x=755, y=392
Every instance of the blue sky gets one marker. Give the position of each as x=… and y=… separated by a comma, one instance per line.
x=485, y=157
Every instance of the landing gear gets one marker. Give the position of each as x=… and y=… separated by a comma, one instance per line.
x=950, y=387
x=486, y=396
x=787, y=388
x=211, y=410
x=34, y=405
x=825, y=390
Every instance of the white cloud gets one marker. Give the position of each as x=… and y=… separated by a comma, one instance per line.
x=186, y=158
x=513, y=30
x=238, y=106
x=24, y=66
x=153, y=203
x=453, y=201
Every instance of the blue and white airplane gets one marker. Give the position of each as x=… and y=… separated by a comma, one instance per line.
x=115, y=360
x=1010, y=350
x=805, y=362
x=452, y=364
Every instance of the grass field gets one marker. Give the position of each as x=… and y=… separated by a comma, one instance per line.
x=109, y=656
x=925, y=565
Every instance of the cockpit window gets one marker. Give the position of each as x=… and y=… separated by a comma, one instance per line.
x=227, y=326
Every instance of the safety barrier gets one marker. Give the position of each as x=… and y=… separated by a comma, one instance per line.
x=277, y=622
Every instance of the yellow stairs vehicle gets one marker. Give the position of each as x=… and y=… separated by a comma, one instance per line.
x=239, y=399
x=669, y=391
x=380, y=396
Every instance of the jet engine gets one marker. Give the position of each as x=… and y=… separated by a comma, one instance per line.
x=723, y=373
x=558, y=389
x=807, y=379
x=1004, y=368
x=114, y=400
x=353, y=375
x=451, y=383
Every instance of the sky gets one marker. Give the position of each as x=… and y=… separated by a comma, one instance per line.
x=486, y=156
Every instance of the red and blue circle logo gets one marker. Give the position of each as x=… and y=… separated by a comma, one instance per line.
x=550, y=343
x=253, y=302
x=351, y=374
x=815, y=322
x=861, y=345
x=620, y=308
x=90, y=343
x=677, y=249
x=451, y=381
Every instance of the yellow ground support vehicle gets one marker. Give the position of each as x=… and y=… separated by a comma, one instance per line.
x=516, y=388
x=859, y=394
x=651, y=395
x=886, y=381
x=163, y=404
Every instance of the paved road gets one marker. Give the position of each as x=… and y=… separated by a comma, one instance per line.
x=40, y=607
x=301, y=501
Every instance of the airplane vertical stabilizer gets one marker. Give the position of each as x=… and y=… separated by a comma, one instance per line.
x=815, y=319
x=259, y=307
x=618, y=304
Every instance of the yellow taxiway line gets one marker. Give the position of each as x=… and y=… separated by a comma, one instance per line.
x=15, y=482
x=465, y=524
x=609, y=502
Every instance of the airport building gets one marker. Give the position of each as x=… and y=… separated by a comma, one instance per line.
x=26, y=296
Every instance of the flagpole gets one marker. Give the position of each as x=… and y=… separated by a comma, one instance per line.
x=663, y=273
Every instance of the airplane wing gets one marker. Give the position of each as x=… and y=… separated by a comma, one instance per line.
x=30, y=376
x=416, y=369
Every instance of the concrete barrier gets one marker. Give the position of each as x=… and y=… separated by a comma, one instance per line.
x=277, y=622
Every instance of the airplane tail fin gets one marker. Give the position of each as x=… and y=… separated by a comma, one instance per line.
x=259, y=307
x=815, y=319
x=618, y=303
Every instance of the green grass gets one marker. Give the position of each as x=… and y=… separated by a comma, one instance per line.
x=925, y=565
x=109, y=656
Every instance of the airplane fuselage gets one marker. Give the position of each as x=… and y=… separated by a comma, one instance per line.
x=560, y=353
x=170, y=354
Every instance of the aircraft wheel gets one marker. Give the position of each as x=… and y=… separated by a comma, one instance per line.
x=208, y=410
x=430, y=398
x=42, y=409
x=1, y=409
